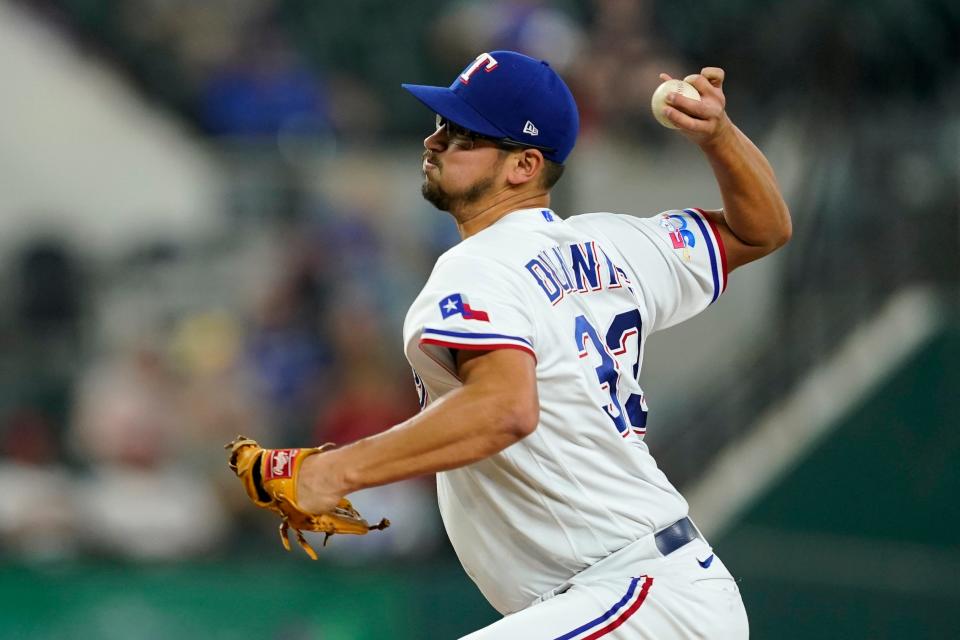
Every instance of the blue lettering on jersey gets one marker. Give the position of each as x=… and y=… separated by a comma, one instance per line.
x=545, y=278
x=556, y=267
x=621, y=278
x=581, y=270
x=567, y=282
x=614, y=278
x=585, y=265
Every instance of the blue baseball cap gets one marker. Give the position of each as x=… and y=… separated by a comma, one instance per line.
x=510, y=96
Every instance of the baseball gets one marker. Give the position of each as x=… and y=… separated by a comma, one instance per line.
x=659, y=100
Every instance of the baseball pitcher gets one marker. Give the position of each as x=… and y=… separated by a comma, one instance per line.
x=527, y=344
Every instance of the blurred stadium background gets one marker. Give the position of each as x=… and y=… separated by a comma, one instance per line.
x=210, y=223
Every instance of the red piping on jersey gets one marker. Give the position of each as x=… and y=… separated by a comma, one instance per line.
x=723, y=251
x=476, y=347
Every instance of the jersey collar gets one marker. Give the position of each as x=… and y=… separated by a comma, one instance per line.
x=536, y=214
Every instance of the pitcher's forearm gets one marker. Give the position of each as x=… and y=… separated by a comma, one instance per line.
x=460, y=429
x=753, y=207
x=463, y=427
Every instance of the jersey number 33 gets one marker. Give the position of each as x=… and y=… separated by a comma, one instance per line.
x=630, y=414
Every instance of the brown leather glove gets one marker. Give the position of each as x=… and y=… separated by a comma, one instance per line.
x=270, y=478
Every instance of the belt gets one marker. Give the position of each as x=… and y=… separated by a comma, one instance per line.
x=675, y=536
x=667, y=541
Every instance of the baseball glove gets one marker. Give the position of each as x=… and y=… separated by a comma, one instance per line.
x=270, y=478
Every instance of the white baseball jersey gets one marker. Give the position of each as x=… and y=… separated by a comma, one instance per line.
x=581, y=296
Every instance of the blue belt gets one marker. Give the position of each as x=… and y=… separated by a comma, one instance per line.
x=675, y=536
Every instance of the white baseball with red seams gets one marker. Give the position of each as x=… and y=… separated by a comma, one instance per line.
x=581, y=295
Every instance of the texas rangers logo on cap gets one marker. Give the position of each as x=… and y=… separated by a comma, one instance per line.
x=456, y=304
x=485, y=60
x=509, y=96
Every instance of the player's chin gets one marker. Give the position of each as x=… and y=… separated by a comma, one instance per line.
x=433, y=194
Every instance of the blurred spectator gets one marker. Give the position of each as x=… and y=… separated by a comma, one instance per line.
x=367, y=394
x=534, y=27
x=619, y=70
x=346, y=244
x=286, y=350
x=135, y=500
x=50, y=292
x=356, y=113
x=216, y=390
x=36, y=507
x=612, y=61
x=196, y=36
x=265, y=90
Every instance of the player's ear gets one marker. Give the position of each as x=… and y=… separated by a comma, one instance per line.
x=525, y=165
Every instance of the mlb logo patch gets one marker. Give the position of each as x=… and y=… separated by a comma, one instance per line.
x=280, y=464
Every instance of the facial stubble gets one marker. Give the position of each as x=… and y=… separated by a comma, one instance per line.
x=445, y=201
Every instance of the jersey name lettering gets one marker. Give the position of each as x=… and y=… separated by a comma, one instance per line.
x=575, y=268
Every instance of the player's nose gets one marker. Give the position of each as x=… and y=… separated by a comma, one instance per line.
x=436, y=141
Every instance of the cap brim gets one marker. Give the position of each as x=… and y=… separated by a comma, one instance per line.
x=443, y=101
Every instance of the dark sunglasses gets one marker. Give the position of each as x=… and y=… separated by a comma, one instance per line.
x=467, y=140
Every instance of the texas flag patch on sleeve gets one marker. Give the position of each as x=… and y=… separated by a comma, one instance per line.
x=456, y=304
